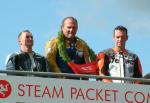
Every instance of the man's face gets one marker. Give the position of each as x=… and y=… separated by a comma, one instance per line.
x=26, y=39
x=120, y=38
x=69, y=28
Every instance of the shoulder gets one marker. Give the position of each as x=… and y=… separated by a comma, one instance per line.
x=37, y=55
x=131, y=54
x=51, y=44
x=55, y=39
x=81, y=42
x=105, y=52
x=11, y=56
x=108, y=51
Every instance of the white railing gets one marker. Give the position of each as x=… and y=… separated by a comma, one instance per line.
x=47, y=87
x=51, y=74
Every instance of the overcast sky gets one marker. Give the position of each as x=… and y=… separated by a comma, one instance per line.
x=96, y=18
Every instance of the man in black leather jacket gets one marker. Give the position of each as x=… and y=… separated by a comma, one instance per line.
x=26, y=59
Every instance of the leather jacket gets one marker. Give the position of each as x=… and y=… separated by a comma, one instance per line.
x=21, y=61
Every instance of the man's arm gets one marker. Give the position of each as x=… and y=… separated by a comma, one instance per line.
x=47, y=67
x=51, y=50
x=101, y=66
x=11, y=62
x=137, y=70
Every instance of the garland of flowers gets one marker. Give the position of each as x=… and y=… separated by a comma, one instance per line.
x=62, y=48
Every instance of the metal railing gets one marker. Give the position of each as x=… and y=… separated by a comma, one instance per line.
x=51, y=74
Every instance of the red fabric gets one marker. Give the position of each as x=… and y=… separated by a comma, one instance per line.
x=101, y=55
x=84, y=68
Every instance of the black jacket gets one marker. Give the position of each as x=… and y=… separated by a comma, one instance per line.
x=21, y=61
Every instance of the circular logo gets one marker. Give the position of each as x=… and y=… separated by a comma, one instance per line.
x=5, y=89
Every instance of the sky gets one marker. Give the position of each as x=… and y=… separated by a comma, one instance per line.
x=96, y=20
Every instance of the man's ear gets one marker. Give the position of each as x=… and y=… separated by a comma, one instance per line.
x=127, y=37
x=19, y=41
x=113, y=36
